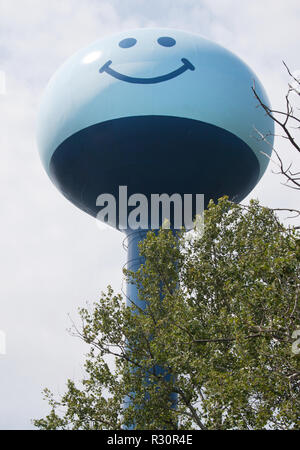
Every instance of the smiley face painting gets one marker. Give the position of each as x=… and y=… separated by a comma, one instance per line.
x=130, y=42
x=158, y=111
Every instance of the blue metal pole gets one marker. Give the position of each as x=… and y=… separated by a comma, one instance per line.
x=134, y=261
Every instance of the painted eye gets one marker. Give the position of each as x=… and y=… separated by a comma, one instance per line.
x=127, y=43
x=166, y=41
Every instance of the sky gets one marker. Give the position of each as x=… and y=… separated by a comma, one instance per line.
x=53, y=256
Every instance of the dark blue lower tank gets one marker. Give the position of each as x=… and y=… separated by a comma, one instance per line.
x=151, y=155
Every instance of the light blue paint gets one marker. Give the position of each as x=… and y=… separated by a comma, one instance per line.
x=218, y=91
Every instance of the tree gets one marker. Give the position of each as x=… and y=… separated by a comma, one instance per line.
x=223, y=332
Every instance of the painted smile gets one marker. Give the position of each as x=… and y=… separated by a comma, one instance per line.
x=187, y=65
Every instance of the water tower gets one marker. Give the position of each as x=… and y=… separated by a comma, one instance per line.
x=155, y=110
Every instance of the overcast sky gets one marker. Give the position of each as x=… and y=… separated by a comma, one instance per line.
x=53, y=256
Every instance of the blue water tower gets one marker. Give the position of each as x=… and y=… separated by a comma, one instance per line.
x=158, y=111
